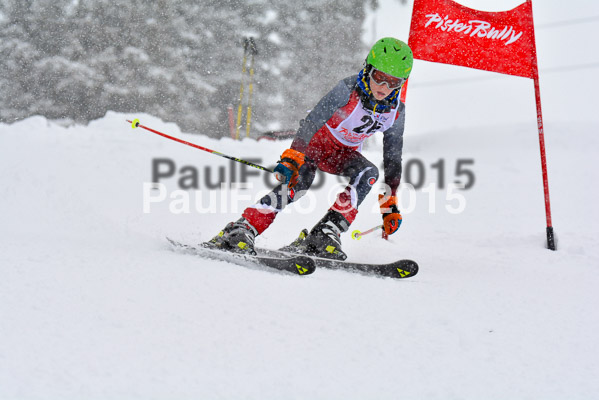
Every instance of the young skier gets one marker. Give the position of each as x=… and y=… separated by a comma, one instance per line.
x=330, y=138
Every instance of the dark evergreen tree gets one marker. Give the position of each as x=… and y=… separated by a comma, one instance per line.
x=179, y=60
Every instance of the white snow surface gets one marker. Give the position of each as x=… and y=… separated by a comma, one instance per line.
x=95, y=305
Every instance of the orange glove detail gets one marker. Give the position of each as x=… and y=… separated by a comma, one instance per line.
x=391, y=215
x=287, y=169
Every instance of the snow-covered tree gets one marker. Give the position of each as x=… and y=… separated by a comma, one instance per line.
x=180, y=60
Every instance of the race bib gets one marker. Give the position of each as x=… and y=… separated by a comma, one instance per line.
x=352, y=124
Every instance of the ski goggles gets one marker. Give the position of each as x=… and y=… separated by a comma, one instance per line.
x=379, y=77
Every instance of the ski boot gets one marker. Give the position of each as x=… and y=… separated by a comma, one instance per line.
x=324, y=239
x=298, y=245
x=237, y=237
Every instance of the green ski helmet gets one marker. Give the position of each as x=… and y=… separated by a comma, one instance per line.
x=391, y=56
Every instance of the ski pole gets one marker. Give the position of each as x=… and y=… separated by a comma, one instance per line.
x=358, y=235
x=135, y=124
x=239, y=107
x=253, y=51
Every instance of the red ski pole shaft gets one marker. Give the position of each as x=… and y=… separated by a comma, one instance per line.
x=135, y=124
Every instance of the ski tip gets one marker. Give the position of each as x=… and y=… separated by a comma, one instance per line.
x=173, y=243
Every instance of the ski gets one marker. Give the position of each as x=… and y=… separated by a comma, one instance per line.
x=399, y=269
x=295, y=263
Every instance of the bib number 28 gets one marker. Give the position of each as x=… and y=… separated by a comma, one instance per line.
x=369, y=123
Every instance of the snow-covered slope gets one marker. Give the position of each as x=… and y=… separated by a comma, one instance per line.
x=93, y=304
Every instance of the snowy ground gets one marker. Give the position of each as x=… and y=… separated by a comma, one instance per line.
x=94, y=305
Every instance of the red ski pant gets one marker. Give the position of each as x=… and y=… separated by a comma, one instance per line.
x=324, y=152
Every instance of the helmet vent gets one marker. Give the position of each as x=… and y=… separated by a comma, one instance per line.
x=385, y=50
x=404, y=58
